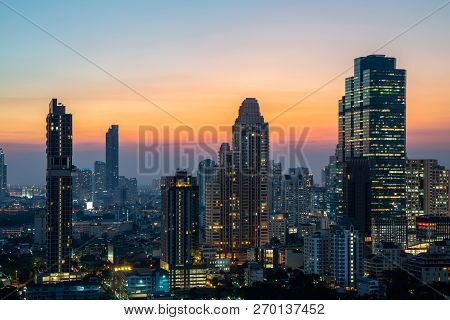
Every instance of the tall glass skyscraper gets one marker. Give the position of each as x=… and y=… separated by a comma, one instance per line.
x=112, y=158
x=372, y=133
x=59, y=188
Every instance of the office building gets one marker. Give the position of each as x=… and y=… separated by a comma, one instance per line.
x=59, y=188
x=112, y=158
x=128, y=190
x=372, y=128
x=82, y=185
x=99, y=177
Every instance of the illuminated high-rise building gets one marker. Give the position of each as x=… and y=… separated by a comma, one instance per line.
x=112, y=158
x=251, y=160
x=237, y=200
x=372, y=144
x=204, y=175
x=180, y=231
x=3, y=175
x=59, y=188
x=222, y=206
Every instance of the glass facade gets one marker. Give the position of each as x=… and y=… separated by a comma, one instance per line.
x=372, y=126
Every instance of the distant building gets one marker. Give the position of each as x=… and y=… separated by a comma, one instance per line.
x=82, y=185
x=333, y=174
x=3, y=175
x=276, y=194
x=318, y=199
x=297, y=192
x=99, y=179
x=112, y=158
x=128, y=190
x=204, y=176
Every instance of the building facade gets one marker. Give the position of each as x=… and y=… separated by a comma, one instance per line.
x=59, y=188
x=427, y=192
x=372, y=127
x=180, y=231
x=251, y=160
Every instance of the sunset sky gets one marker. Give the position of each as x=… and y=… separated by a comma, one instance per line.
x=199, y=59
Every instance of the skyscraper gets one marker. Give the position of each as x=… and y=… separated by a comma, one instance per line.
x=179, y=231
x=204, y=175
x=112, y=158
x=251, y=156
x=3, y=175
x=222, y=206
x=372, y=127
x=59, y=188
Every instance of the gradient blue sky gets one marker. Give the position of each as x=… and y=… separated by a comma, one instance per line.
x=199, y=59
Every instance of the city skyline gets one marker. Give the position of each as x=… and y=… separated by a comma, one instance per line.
x=294, y=65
